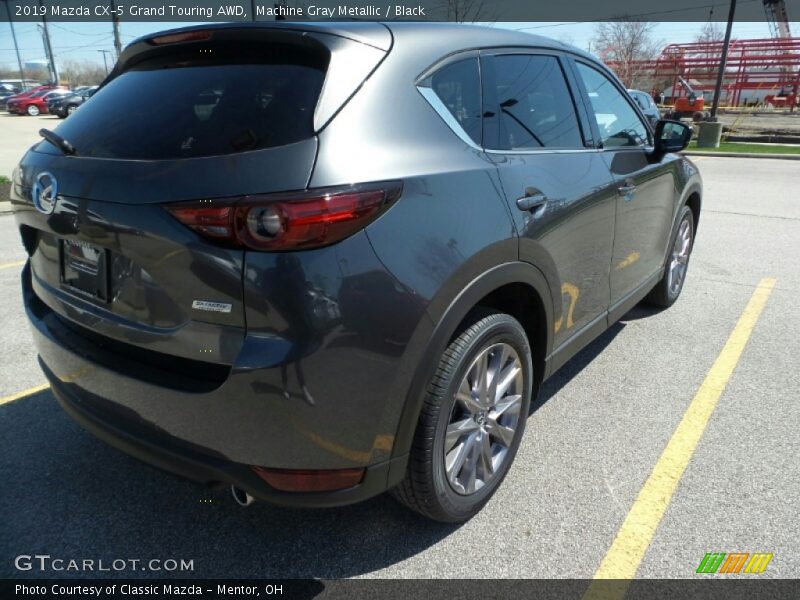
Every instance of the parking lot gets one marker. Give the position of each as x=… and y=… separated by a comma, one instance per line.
x=601, y=425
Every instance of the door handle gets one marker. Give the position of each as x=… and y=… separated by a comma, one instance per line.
x=532, y=199
x=627, y=189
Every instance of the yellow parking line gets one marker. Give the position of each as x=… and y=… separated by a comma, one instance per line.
x=634, y=536
x=24, y=393
x=19, y=263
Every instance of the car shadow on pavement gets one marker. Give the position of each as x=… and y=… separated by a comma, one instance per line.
x=576, y=364
x=69, y=495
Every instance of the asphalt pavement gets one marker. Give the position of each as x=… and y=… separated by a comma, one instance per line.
x=602, y=423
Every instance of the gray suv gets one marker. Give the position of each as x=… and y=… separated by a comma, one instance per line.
x=318, y=262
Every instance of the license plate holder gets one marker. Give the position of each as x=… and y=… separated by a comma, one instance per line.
x=84, y=268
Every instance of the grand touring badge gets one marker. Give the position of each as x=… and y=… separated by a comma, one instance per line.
x=211, y=306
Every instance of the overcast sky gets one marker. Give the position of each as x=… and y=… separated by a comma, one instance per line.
x=82, y=41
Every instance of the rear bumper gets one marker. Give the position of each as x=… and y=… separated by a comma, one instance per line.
x=212, y=437
x=173, y=456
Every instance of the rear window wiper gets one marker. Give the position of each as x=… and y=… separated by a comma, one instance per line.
x=57, y=141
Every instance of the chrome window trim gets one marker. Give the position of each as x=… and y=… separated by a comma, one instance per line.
x=544, y=151
x=446, y=116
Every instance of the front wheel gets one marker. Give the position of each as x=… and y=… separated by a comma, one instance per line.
x=472, y=420
x=32, y=110
x=666, y=291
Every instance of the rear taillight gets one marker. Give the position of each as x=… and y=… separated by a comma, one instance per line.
x=308, y=219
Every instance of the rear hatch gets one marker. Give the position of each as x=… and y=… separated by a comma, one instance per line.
x=192, y=115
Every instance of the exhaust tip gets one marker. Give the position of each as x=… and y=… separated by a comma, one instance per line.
x=242, y=498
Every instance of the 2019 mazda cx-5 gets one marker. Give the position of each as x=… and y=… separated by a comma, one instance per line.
x=341, y=259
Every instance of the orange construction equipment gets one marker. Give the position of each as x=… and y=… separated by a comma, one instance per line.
x=690, y=105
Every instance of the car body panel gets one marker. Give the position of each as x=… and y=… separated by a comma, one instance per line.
x=644, y=216
x=60, y=106
x=20, y=104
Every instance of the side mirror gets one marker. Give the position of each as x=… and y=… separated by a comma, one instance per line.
x=671, y=136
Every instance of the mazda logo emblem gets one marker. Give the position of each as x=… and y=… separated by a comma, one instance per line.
x=45, y=193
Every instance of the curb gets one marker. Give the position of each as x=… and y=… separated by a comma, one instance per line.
x=744, y=155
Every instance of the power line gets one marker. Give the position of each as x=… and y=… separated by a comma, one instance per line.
x=95, y=43
x=629, y=17
x=56, y=25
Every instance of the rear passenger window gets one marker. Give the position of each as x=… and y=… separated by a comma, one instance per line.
x=458, y=86
x=618, y=123
x=534, y=103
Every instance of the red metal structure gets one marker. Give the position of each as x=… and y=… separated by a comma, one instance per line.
x=758, y=71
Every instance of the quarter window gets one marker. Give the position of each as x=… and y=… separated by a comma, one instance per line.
x=458, y=86
x=534, y=104
x=618, y=123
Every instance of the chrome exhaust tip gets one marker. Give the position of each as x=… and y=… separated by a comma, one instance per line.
x=242, y=498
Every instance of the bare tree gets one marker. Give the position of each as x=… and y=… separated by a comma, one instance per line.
x=36, y=74
x=75, y=72
x=622, y=44
x=467, y=11
x=711, y=32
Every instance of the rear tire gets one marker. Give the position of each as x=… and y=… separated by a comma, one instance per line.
x=32, y=110
x=472, y=420
x=667, y=291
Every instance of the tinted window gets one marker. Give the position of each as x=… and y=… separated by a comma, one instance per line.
x=226, y=101
x=458, y=86
x=617, y=121
x=535, y=106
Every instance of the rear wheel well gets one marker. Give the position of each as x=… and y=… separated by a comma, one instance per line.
x=522, y=302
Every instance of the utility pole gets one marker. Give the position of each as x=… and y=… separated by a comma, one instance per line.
x=48, y=48
x=105, y=64
x=723, y=61
x=16, y=48
x=115, y=25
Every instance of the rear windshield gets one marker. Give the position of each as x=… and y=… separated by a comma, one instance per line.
x=216, y=100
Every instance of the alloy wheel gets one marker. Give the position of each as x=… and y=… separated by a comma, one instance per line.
x=680, y=256
x=484, y=418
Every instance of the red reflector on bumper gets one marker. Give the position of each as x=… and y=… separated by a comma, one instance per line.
x=302, y=480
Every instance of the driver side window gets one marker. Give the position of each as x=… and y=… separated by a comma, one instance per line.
x=617, y=121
